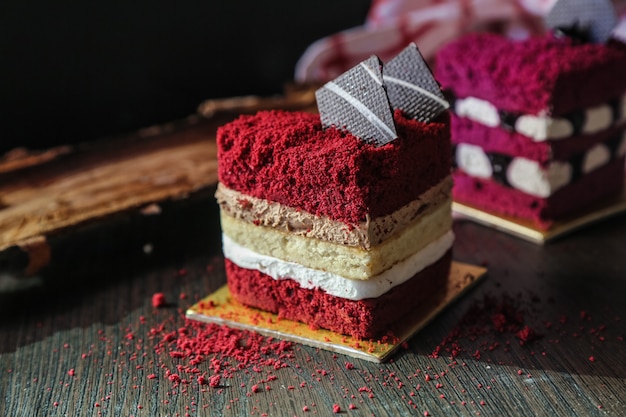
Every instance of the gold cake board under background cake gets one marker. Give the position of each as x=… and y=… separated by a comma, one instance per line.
x=528, y=231
x=220, y=308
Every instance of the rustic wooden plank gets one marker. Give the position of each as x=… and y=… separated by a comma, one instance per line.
x=62, y=189
x=91, y=185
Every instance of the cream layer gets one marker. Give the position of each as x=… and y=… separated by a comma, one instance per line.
x=347, y=261
x=541, y=127
x=334, y=284
x=367, y=234
x=530, y=176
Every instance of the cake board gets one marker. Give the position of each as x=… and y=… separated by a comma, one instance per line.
x=528, y=231
x=221, y=308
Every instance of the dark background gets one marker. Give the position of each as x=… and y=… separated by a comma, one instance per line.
x=75, y=71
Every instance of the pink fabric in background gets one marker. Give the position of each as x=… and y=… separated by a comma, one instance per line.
x=392, y=24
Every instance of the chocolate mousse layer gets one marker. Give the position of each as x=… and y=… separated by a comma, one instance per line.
x=365, y=235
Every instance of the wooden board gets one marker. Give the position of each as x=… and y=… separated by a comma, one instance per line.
x=528, y=231
x=220, y=308
x=44, y=195
x=60, y=191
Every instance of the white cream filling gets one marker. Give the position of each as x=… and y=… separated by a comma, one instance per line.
x=529, y=176
x=540, y=127
x=336, y=285
x=472, y=160
x=478, y=110
x=595, y=157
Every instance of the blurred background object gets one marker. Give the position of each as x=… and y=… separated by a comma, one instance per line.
x=392, y=24
x=76, y=71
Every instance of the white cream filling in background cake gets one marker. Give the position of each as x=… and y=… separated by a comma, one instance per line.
x=529, y=176
x=541, y=127
x=336, y=285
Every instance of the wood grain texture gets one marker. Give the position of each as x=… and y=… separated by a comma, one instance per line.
x=52, y=196
x=57, y=191
x=90, y=185
x=77, y=340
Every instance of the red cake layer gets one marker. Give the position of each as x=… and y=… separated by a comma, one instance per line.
x=490, y=196
x=361, y=319
x=509, y=143
x=288, y=158
x=532, y=75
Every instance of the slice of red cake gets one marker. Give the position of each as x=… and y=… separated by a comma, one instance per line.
x=343, y=232
x=538, y=124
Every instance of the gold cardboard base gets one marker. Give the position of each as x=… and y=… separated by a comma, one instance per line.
x=220, y=308
x=528, y=231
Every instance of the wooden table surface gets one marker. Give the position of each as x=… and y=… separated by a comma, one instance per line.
x=85, y=340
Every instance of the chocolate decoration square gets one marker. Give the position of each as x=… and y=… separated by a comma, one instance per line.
x=357, y=101
x=411, y=86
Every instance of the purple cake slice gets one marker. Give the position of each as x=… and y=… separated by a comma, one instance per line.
x=538, y=124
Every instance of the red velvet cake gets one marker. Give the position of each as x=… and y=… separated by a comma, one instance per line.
x=343, y=232
x=538, y=124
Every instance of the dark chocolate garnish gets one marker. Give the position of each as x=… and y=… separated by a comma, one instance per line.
x=616, y=108
x=576, y=161
x=411, y=86
x=450, y=97
x=499, y=165
x=591, y=19
x=613, y=143
x=580, y=34
x=577, y=119
x=455, y=165
x=357, y=101
x=507, y=120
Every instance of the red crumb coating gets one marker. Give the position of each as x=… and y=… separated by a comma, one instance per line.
x=531, y=75
x=288, y=158
x=491, y=196
x=509, y=143
x=361, y=319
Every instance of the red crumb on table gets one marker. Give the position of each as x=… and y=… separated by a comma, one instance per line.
x=158, y=300
x=336, y=409
x=71, y=372
x=486, y=319
x=214, y=380
x=525, y=335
